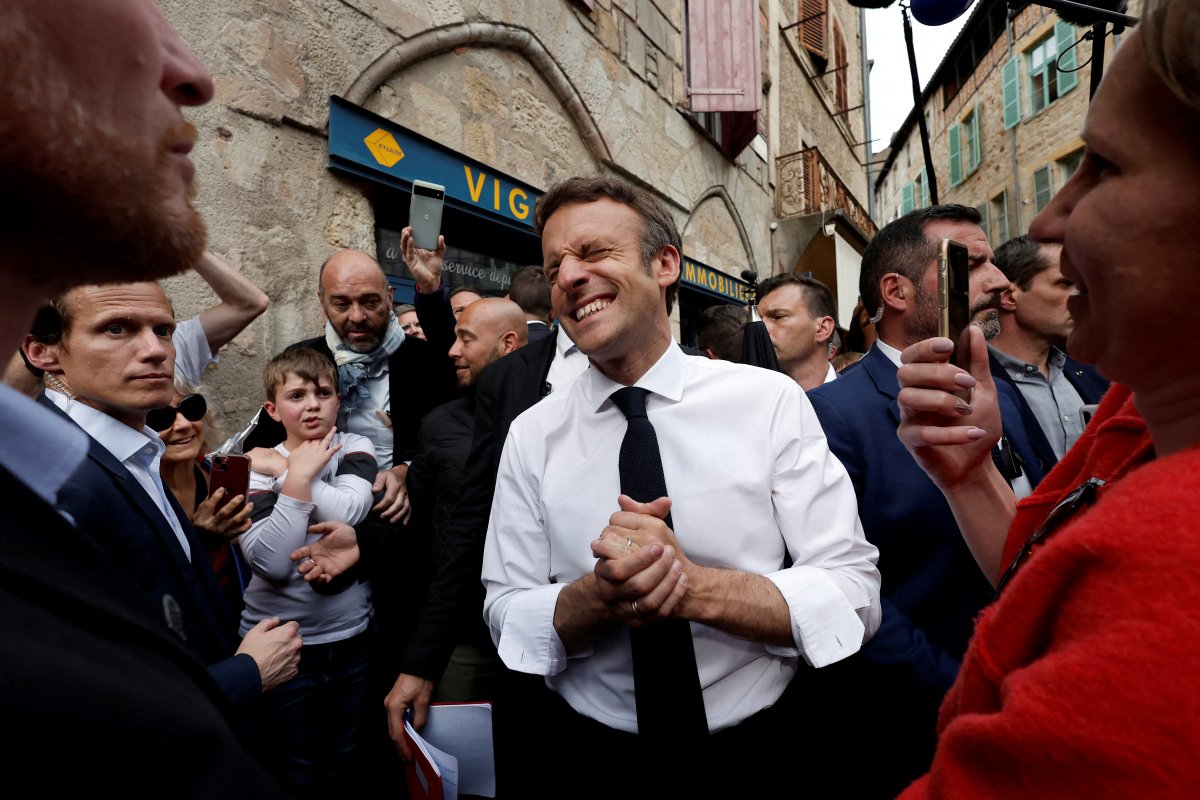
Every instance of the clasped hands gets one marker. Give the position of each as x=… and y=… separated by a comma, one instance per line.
x=641, y=572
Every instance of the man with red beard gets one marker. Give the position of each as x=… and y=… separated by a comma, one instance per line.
x=94, y=187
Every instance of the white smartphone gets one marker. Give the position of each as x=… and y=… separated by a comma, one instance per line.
x=425, y=214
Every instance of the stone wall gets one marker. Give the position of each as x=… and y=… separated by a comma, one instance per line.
x=539, y=90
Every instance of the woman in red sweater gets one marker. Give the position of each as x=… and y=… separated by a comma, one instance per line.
x=1076, y=682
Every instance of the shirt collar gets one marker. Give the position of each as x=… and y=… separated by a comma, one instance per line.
x=38, y=447
x=563, y=342
x=666, y=379
x=830, y=374
x=116, y=437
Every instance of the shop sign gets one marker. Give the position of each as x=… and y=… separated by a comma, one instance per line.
x=370, y=145
x=701, y=276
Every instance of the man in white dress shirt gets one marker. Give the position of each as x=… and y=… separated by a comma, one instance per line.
x=767, y=560
x=801, y=318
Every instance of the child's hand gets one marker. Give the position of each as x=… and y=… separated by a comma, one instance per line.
x=267, y=461
x=307, y=460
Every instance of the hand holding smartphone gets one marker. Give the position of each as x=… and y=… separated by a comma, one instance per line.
x=231, y=473
x=425, y=213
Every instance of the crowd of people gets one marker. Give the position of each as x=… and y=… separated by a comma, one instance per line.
x=902, y=573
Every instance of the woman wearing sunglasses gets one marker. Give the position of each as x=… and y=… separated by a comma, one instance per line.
x=185, y=471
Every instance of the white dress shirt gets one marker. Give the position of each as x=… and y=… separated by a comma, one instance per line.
x=830, y=374
x=138, y=451
x=750, y=477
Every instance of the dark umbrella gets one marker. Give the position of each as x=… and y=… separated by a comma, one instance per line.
x=757, y=349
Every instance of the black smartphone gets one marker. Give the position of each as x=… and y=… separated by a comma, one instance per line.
x=425, y=213
x=954, y=296
x=232, y=473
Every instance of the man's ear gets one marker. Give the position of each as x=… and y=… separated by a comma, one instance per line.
x=41, y=355
x=825, y=328
x=667, y=270
x=272, y=412
x=1008, y=299
x=896, y=291
x=509, y=342
x=708, y=351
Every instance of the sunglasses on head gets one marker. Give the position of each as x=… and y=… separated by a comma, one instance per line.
x=193, y=407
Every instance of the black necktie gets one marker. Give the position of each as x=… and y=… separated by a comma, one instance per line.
x=666, y=685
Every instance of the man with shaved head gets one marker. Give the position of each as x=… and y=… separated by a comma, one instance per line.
x=487, y=330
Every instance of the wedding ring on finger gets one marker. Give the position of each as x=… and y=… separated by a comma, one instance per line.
x=633, y=605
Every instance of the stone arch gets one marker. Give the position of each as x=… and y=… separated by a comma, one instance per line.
x=719, y=193
x=488, y=34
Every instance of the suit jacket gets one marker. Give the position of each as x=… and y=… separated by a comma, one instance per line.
x=1090, y=384
x=420, y=378
x=92, y=676
x=538, y=330
x=932, y=587
x=103, y=498
x=503, y=390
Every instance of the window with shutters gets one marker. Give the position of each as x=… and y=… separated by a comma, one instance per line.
x=907, y=198
x=999, y=216
x=982, y=208
x=971, y=151
x=962, y=140
x=1051, y=64
x=813, y=24
x=1043, y=188
x=724, y=73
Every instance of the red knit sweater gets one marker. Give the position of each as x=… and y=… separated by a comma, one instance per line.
x=1076, y=683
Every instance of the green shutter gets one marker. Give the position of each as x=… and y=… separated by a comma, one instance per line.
x=955, y=142
x=906, y=198
x=1064, y=38
x=1042, y=190
x=1012, y=93
x=925, y=187
x=976, y=155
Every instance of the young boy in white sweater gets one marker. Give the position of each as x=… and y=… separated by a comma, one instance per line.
x=318, y=474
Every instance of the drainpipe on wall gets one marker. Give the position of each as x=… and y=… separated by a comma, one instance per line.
x=1014, y=228
x=866, y=89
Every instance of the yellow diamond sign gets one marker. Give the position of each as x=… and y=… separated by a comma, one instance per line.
x=384, y=147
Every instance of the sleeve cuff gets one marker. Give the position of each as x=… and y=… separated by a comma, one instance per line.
x=528, y=641
x=825, y=627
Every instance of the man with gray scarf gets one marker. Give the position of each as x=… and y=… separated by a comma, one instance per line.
x=387, y=380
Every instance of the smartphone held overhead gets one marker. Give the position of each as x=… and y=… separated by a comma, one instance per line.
x=425, y=213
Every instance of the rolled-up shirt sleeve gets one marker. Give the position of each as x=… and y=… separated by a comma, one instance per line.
x=832, y=589
x=520, y=601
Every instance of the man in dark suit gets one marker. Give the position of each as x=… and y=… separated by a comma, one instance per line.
x=932, y=588
x=108, y=359
x=92, y=674
x=487, y=330
x=1028, y=355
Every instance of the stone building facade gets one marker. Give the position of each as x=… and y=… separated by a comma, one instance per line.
x=508, y=96
x=1004, y=121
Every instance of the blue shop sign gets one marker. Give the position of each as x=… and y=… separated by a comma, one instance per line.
x=375, y=148
x=703, y=277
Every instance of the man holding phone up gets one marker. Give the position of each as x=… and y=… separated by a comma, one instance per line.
x=932, y=588
x=107, y=358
